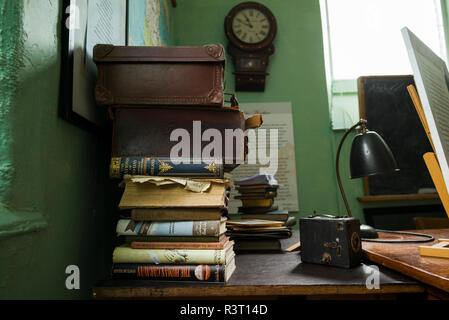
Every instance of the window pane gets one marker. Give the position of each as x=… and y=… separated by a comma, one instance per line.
x=365, y=35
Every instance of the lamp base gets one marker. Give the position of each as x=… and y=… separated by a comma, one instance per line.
x=368, y=232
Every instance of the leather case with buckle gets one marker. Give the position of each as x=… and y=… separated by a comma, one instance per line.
x=160, y=75
x=147, y=132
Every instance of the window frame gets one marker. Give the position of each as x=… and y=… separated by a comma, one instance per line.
x=340, y=90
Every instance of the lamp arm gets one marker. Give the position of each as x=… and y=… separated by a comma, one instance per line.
x=362, y=122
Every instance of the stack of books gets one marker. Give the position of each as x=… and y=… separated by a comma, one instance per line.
x=166, y=105
x=176, y=229
x=262, y=223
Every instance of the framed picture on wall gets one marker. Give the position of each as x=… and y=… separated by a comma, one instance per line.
x=84, y=24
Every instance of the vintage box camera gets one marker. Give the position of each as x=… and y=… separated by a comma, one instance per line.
x=333, y=241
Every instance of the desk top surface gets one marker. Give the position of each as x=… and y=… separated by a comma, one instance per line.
x=405, y=258
x=268, y=274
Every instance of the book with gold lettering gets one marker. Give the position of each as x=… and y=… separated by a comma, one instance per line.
x=169, y=272
x=165, y=167
x=218, y=245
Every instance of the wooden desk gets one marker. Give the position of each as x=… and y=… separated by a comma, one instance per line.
x=268, y=275
x=405, y=258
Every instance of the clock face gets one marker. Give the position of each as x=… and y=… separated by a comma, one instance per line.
x=251, y=26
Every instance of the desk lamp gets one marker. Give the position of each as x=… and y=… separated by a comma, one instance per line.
x=370, y=155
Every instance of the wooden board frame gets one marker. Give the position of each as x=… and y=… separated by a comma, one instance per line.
x=362, y=112
x=430, y=158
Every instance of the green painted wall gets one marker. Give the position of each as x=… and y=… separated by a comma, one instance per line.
x=297, y=74
x=56, y=203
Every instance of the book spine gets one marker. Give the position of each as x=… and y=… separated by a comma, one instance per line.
x=168, y=228
x=130, y=239
x=176, y=215
x=178, y=245
x=159, y=272
x=165, y=167
x=161, y=256
x=257, y=203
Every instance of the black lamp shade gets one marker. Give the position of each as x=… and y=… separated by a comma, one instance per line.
x=370, y=155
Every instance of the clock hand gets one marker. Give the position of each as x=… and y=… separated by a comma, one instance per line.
x=246, y=24
x=250, y=25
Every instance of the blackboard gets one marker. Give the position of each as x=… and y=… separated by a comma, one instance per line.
x=386, y=104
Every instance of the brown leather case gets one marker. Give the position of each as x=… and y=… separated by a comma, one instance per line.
x=160, y=75
x=146, y=131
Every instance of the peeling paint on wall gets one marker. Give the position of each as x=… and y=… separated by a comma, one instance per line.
x=11, y=61
x=58, y=203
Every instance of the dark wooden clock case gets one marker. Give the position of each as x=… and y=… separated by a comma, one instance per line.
x=250, y=60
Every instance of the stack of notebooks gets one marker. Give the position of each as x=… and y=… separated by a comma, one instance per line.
x=161, y=101
x=263, y=224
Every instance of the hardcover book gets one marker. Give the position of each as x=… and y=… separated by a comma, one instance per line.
x=258, y=245
x=130, y=239
x=165, y=167
x=169, y=272
x=174, y=195
x=182, y=245
x=126, y=254
x=259, y=203
x=273, y=233
x=253, y=223
x=261, y=188
x=257, y=209
x=177, y=214
x=278, y=215
x=256, y=195
x=128, y=227
x=258, y=179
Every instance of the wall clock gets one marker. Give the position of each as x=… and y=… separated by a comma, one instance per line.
x=250, y=28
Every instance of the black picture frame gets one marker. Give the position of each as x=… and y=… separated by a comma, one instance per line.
x=65, y=109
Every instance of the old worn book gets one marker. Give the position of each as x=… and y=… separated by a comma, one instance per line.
x=211, y=228
x=258, y=179
x=278, y=215
x=258, y=245
x=260, y=203
x=257, y=188
x=177, y=214
x=252, y=223
x=130, y=239
x=126, y=254
x=273, y=233
x=257, y=209
x=181, y=245
x=202, y=168
x=182, y=193
x=256, y=195
x=170, y=272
